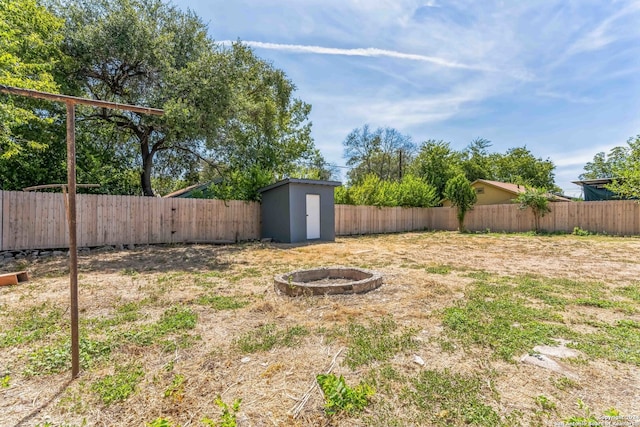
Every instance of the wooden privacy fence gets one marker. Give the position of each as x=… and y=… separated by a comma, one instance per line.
x=37, y=220
x=611, y=217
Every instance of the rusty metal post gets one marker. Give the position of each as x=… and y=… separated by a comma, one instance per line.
x=71, y=185
x=73, y=244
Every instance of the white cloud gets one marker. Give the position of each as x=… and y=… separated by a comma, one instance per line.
x=607, y=31
x=368, y=52
x=566, y=97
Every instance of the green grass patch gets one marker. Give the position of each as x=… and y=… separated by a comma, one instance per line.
x=119, y=386
x=632, y=292
x=512, y=315
x=269, y=336
x=438, y=269
x=494, y=316
x=222, y=302
x=479, y=275
x=30, y=325
x=245, y=273
x=339, y=397
x=378, y=341
x=176, y=320
x=619, y=342
x=444, y=399
x=56, y=358
x=125, y=313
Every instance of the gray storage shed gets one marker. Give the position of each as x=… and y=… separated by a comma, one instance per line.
x=298, y=210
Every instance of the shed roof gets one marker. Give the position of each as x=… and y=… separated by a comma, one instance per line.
x=598, y=183
x=299, y=181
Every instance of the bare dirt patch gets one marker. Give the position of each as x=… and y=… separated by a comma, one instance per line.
x=229, y=290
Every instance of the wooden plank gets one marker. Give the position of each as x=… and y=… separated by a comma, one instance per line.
x=7, y=279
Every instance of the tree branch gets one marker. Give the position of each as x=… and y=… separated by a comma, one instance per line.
x=214, y=165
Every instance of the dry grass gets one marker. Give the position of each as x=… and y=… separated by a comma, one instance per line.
x=424, y=274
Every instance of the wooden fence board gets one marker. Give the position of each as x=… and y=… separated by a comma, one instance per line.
x=38, y=220
x=30, y=220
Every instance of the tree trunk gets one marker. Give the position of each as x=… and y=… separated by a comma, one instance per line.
x=147, y=165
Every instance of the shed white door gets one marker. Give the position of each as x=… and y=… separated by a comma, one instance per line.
x=313, y=216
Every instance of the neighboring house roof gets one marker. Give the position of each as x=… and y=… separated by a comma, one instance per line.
x=516, y=189
x=506, y=186
x=503, y=192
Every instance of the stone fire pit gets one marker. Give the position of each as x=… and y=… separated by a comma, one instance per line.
x=327, y=281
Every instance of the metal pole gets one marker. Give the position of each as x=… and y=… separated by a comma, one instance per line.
x=73, y=244
x=70, y=101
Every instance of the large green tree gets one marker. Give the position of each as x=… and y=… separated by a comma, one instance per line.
x=135, y=52
x=384, y=152
x=462, y=196
x=519, y=166
x=437, y=163
x=266, y=134
x=30, y=39
x=536, y=199
x=410, y=191
x=476, y=160
x=627, y=171
x=603, y=165
x=224, y=107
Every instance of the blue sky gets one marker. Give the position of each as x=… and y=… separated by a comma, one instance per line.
x=559, y=76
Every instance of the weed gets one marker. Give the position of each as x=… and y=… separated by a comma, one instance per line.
x=376, y=342
x=72, y=401
x=221, y=302
x=545, y=403
x=340, y=397
x=506, y=326
x=5, y=381
x=449, y=399
x=577, y=231
x=182, y=340
x=160, y=422
x=31, y=325
x=631, y=292
x=385, y=378
x=119, y=386
x=245, y=273
x=228, y=415
x=129, y=272
x=174, y=320
x=586, y=419
x=565, y=383
x=618, y=342
x=479, y=275
x=125, y=313
x=445, y=345
x=176, y=390
x=268, y=336
x=56, y=358
x=439, y=269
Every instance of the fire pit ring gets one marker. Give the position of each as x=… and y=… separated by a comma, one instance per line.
x=327, y=281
